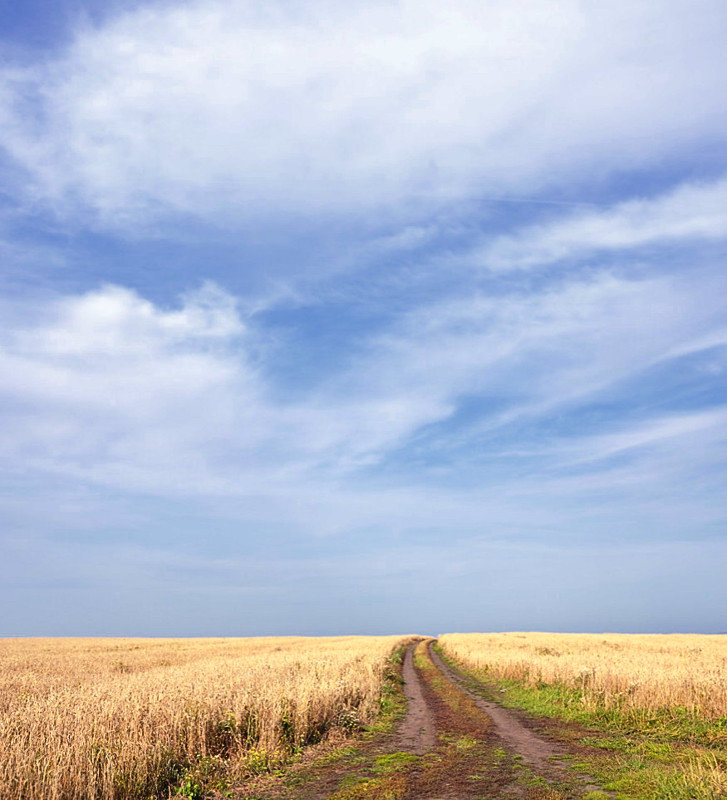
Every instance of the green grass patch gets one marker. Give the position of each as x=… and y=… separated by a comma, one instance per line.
x=391, y=762
x=466, y=743
x=339, y=754
x=387, y=788
x=392, y=703
x=578, y=705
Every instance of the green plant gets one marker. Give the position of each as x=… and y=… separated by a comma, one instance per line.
x=190, y=789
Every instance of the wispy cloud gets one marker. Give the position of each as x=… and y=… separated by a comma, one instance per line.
x=691, y=212
x=111, y=389
x=654, y=433
x=236, y=111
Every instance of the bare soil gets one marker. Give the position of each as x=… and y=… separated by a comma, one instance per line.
x=416, y=733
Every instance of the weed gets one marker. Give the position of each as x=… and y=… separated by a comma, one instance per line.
x=391, y=762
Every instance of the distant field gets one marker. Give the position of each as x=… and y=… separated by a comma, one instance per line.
x=118, y=718
x=623, y=671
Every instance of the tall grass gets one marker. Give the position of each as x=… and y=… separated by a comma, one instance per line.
x=685, y=672
x=129, y=718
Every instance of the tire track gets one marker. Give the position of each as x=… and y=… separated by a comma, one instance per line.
x=533, y=748
x=417, y=732
x=540, y=753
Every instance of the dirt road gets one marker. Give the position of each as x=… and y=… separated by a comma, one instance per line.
x=442, y=704
x=454, y=742
x=416, y=734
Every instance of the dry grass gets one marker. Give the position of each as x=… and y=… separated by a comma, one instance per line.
x=121, y=718
x=651, y=672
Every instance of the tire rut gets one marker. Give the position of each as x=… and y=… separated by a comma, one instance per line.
x=417, y=732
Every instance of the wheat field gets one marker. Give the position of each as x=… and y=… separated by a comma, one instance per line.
x=650, y=672
x=124, y=718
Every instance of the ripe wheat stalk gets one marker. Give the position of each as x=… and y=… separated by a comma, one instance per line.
x=650, y=672
x=111, y=718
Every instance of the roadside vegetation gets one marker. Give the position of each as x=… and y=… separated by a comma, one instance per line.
x=110, y=719
x=648, y=712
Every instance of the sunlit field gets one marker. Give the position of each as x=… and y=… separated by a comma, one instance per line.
x=646, y=672
x=123, y=718
x=653, y=707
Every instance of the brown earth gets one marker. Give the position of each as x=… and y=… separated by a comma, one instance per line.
x=416, y=733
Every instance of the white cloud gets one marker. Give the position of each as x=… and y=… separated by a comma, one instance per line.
x=533, y=352
x=112, y=388
x=108, y=387
x=109, y=397
x=691, y=212
x=234, y=110
x=657, y=432
x=112, y=349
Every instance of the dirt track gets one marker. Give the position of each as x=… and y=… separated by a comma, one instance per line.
x=532, y=748
x=431, y=719
x=417, y=731
x=416, y=734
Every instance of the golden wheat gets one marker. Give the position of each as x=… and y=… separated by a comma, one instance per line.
x=648, y=672
x=117, y=718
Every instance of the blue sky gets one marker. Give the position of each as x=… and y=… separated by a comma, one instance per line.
x=366, y=317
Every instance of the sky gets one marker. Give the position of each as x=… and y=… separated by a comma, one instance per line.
x=364, y=317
